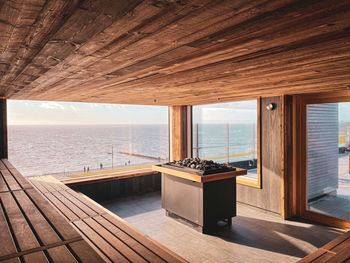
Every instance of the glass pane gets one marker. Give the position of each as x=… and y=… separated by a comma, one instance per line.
x=328, y=143
x=71, y=140
x=227, y=133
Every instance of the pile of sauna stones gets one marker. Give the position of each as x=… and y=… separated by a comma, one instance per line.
x=203, y=165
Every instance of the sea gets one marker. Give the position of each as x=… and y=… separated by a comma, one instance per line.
x=43, y=150
x=40, y=150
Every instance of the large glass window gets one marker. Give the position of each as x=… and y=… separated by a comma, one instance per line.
x=72, y=140
x=328, y=163
x=228, y=133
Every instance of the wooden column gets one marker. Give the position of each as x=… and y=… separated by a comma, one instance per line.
x=180, y=127
x=286, y=156
x=3, y=128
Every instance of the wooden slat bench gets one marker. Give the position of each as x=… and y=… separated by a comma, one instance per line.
x=336, y=251
x=31, y=230
x=113, y=238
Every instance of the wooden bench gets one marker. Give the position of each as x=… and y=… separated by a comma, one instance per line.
x=107, y=177
x=336, y=251
x=31, y=230
x=113, y=238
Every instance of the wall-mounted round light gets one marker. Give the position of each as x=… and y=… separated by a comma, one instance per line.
x=271, y=106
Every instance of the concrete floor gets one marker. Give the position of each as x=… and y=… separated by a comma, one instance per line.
x=255, y=236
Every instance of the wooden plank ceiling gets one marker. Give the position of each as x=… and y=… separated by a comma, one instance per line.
x=172, y=52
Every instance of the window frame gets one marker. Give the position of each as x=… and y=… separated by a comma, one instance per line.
x=242, y=180
x=300, y=155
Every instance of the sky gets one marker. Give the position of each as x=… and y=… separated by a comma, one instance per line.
x=69, y=113
x=74, y=113
x=242, y=112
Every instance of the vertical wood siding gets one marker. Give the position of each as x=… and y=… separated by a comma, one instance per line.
x=269, y=196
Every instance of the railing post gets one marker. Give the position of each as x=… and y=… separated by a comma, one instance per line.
x=227, y=143
x=253, y=142
x=347, y=142
x=196, y=149
x=3, y=128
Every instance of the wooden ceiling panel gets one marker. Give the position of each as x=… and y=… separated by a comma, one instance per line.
x=167, y=52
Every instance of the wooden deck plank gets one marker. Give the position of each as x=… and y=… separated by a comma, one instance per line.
x=88, y=210
x=47, y=185
x=7, y=244
x=313, y=256
x=86, y=201
x=11, y=182
x=329, y=252
x=324, y=258
x=21, y=230
x=156, y=248
x=56, y=184
x=109, y=241
x=61, y=207
x=11, y=260
x=43, y=229
x=121, y=247
x=20, y=179
x=85, y=253
x=102, y=244
x=2, y=166
x=37, y=257
x=335, y=242
x=61, y=254
x=7, y=164
x=60, y=223
x=75, y=209
x=96, y=249
x=29, y=222
x=51, y=183
x=38, y=185
x=341, y=256
x=128, y=240
x=341, y=246
x=3, y=186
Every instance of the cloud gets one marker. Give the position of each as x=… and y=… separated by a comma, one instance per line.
x=119, y=106
x=52, y=105
x=73, y=108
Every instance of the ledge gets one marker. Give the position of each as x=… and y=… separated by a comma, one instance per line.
x=110, y=177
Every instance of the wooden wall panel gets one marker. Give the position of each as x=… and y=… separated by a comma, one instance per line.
x=178, y=132
x=269, y=196
x=3, y=128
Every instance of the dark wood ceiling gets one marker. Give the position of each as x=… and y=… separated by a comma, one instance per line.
x=172, y=52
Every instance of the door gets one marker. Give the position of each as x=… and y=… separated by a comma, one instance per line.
x=324, y=140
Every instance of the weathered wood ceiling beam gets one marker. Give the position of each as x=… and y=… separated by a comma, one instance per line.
x=167, y=52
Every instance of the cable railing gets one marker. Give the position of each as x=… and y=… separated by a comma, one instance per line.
x=227, y=146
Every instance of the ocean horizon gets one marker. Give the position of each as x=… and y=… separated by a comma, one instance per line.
x=48, y=149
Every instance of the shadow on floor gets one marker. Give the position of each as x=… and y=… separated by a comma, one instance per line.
x=274, y=236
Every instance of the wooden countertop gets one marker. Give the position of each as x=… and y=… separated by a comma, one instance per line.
x=186, y=174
